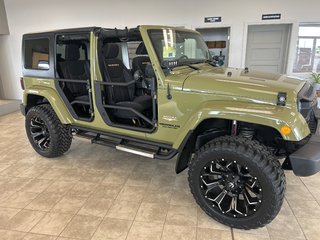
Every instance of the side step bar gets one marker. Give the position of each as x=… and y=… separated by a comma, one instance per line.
x=134, y=151
x=138, y=147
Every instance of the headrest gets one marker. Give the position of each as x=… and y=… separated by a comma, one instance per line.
x=141, y=49
x=72, y=52
x=110, y=50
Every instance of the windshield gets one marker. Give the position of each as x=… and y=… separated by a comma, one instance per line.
x=178, y=47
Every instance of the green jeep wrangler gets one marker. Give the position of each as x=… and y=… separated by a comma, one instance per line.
x=155, y=91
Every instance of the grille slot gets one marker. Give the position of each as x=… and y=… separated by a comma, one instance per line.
x=307, y=101
x=309, y=92
x=312, y=123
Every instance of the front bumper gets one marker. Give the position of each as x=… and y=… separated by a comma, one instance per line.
x=306, y=160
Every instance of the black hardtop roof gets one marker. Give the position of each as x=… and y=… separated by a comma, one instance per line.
x=84, y=29
x=67, y=30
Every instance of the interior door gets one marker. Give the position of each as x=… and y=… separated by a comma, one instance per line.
x=267, y=47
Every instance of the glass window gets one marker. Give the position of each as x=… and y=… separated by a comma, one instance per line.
x=72, y=56
x=179, y=47
x=36, y=55
x=308, y=50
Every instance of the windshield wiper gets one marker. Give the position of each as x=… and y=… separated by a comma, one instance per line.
x=188, y=65
x=167, y=66
x=191, y=66
x=211, y=63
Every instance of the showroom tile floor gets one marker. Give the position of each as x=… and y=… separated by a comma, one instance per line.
x=95, y=192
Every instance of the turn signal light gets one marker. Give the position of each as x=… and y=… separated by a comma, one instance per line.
x=285, y=130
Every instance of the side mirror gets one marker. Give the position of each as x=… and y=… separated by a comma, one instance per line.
x=43, y=65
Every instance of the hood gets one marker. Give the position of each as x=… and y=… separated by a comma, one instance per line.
x=243, y=85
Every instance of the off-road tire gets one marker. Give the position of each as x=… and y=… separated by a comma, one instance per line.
x=60, y=134
x=263, y=164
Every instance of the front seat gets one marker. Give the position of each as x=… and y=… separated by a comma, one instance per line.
x=122, y=96
x=142, y=60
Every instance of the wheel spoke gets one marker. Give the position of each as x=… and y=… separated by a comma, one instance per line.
x=222, y=168
x=214, y=172
x=34, y=135
x=220, y=197
x=238, y=167
x=232, y=205
x=39, y=133
x=248, y=198
x=212, y=185
x=251, y=185
x=41, y=140
x=37, y=122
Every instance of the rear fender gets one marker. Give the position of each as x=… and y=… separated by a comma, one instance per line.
x=54, y=100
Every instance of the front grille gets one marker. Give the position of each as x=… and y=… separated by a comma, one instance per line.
x=312, y=123
x=309, y=93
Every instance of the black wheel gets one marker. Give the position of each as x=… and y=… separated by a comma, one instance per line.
x=237, y=181
x=47, y=135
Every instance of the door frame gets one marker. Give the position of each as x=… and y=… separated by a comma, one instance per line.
x=87, y=82
x=290, y=42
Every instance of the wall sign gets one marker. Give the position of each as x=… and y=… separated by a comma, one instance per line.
x=212, y=19
x=271, y=16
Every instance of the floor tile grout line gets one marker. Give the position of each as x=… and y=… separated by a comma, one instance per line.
x=197, y=223
x=104, y=217
x=21, y=209
x=137, y=213
x=76, y=211
x=296, y=219
x=314, y=198
x=49, y=211
x=26, y=233
x=45, y=212
x=232, y=234
x=133, y=221
x=165, y=219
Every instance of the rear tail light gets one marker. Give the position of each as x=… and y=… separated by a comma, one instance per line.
x=22, y=83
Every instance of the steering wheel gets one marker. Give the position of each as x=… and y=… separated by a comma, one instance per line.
x=139, y=77
x=183, y=57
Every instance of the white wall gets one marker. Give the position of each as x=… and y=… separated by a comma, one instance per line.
x=40, y=15
x=3, y=19
x=3, y=30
